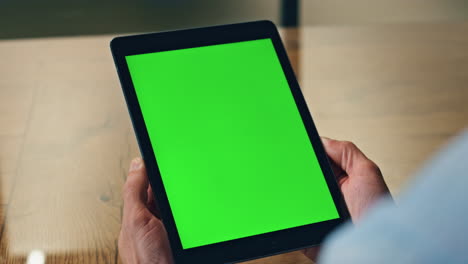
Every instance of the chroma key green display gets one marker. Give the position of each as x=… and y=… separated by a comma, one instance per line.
x=231, y=147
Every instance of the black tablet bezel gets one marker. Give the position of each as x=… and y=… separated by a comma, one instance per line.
x=243, y=248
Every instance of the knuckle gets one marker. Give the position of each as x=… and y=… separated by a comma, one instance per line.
x=333, y=144
x=348, y=145
x=139, y=220
x=133, y=174
x=127, y=190
x=371, y=166
x=130, y=182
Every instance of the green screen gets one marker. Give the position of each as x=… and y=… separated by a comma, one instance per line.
x=233, y=152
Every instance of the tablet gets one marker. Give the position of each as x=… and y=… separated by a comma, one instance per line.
x=233, y=157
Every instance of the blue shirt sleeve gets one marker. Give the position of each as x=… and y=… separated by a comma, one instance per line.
x=429, y=224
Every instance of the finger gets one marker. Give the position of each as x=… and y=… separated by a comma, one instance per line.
x=152, y=204
x=340, y=175
x=345, y=154
x=135, y=188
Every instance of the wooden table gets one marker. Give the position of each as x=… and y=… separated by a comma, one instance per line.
x=398, y=91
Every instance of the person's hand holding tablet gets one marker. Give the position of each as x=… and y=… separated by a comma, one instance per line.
x=231, y=152
x=143, y=238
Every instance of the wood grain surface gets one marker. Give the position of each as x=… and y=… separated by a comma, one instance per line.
x=399, y=92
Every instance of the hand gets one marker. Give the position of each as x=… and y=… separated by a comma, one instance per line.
x=359, y=179
x=143, y=238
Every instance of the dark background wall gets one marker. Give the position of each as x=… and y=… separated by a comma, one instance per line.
x=33, y=18
x=45, y=18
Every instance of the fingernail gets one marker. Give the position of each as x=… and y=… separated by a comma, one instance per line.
x=136, y=164
x=325, y=140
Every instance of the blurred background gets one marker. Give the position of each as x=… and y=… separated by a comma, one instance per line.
x=389, y=75
x=31, y=18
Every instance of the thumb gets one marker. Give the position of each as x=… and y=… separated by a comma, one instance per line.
x=136, y=186
x=345, y=154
